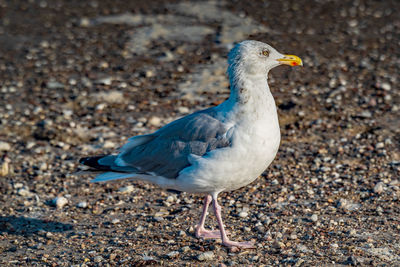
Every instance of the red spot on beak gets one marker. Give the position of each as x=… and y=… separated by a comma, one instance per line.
x=294, y=64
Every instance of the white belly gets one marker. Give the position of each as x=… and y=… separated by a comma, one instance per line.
x=253, y=149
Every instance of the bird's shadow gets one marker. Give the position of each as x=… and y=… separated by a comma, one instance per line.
x=30, y=226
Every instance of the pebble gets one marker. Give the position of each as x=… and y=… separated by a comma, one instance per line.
x=115, y=221
x=380, y=145
x=98, y=259
x=110, y=97
x=126, y=189
x=82, y=205
x=59, y=202
x=352, y=232
x=55, y=85
x=386, y=86
x=243, y=214
x=185, y=249
x=84, y=22
x=171, y=199
x=314, y=217
x=302, y=248
x=109, y=144
x=43, y=166
x=4, y=146
x=139, y=228
x=182, y=233
x=173, y=254
x=183, y=110
x=348, y=205
x=24, y=192
x=366, y=114
x=206, y=256
x=379, y=188
x=155, y=121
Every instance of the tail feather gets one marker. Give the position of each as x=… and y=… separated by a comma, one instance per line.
x=106, y=163
x=109, y=176
x=94, y=163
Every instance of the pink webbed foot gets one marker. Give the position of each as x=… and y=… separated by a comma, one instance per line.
x=207, y=234
x=234, y=244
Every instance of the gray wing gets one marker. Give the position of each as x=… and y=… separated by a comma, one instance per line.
x=165, y=152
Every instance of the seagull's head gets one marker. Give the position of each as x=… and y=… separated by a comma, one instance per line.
x=257, y=58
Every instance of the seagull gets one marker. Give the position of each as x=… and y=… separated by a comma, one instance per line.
x=215, y=150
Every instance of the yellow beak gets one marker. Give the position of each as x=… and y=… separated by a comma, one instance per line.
x=291, y=60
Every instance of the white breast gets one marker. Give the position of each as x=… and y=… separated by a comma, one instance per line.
x=255, y=143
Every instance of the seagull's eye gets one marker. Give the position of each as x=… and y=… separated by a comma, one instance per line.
x=265, y=52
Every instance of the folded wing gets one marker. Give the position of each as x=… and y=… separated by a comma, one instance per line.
x=165, y=152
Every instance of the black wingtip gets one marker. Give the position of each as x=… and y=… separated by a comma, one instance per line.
x=83, y=160
x=93, y=162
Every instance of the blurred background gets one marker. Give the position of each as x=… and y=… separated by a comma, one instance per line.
x=78, y=78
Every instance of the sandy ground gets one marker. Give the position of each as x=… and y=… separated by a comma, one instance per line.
x=80, y=77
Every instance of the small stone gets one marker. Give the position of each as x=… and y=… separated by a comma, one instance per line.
x=170, y=199
x=155, y=121
x=49, y=235
x=55, y=85
x=98, y=259
x=366, y=114
x=59, y=202
x=183, y=110
x=127, y=189
x=302, y=248
x=182, y=233
x=113, y=256
x=293, y=236
x=4, y=146
x=266, y=221
x=243, y=214
x=101, y=106
x=278, y=244
x=261, y=229
x=24, y=192
x=314, y=217
x=82, y=205
x=149, y=73
x=380, y=145
x=348, y=205
x=108, y=81
x=379, y=188
x=111, y=96
x=18, y=185
x=43, y=166
x=115, y=221
x=185, y=249
x=5, y=166
x=353, y=23
x=386, y=86
x=84, y=22
x=173, y=254
x=139, y=228
x=109, y=144
x=206, y=256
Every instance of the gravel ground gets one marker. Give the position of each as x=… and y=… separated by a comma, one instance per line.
x=79, y=77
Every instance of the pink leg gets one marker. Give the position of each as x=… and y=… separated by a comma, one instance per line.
x=224, y=237
x=201, y=232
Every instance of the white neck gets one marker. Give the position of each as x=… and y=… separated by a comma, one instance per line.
x=250, y=95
